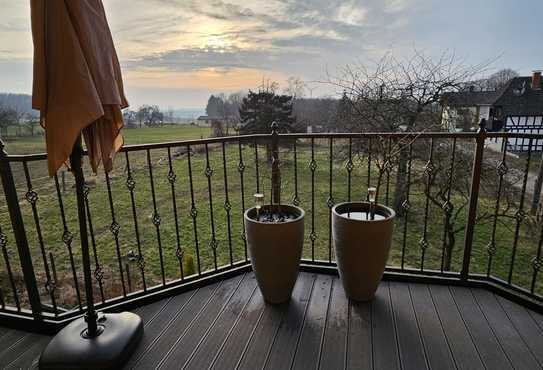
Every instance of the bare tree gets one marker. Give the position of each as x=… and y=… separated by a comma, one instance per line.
x=402, y=95
x=296, y=87
x=8, y=117
x=447, y=186
x=496, y=80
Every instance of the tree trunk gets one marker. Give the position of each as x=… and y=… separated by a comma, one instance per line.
x=537, y=189
x=449, y=241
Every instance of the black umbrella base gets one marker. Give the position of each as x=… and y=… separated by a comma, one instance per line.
x=69, y=349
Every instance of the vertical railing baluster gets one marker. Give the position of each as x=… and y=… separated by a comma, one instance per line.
x=114, y=228
x=3, y=246
x=428, y=169
x=98, y=272
x=156, y=217
x=67, y=238
x=296, y=198
x=193, y=211
x=330, y=201
x=448, y=208
x=21, y=241
x=520, y=215
x=275, y=164
x=473, y=198
x=227, y=205
x=131, y=185
x=241, y=170
x=502, y=170
x=32, y=198
x=406, y=205
x=349, y=167
x=2, y=301
x=128, y=279
x=537, y=262
x=388, y=168
x=172, y=179
x=313, y=167
x=257, y=173
x=55, y=279
x=369, y=166
x=208, y=173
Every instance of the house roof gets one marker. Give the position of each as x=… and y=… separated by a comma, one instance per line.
x=470, y=98
x=519, y=99
x=516, y=98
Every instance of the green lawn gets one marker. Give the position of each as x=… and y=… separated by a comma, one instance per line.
x=230, y=239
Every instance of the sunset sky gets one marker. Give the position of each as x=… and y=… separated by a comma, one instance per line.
x=174, y=53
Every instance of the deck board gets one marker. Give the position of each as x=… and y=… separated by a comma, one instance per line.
x=167, y=338
x=334, y=349
x=29, y=358
x=160, y=321
x=435, y=342
x=359, y=339
x=509, y=338
x=385, y=340
x=309, y=346
x=288, y=334
x=462, y=347
x=489, y=348
x=238, y=338
x=412, y=354
x=227, y=325
x=181, y=351
x=210, y=344
x=525, y=325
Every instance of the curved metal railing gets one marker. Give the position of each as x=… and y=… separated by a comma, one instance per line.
x=169, y=216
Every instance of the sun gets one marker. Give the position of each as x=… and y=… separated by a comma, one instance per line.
x=217, y=42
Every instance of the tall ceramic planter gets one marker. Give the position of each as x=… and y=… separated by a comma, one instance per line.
x=362, y=247
x=275, y=249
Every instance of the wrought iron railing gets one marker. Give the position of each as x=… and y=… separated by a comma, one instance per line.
x=169, y=217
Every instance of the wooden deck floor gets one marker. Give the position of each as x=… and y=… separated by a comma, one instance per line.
x=407, y=326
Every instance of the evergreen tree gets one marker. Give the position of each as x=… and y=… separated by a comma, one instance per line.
x=259, y=109
x=344, y=114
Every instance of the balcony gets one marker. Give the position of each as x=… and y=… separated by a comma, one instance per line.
x=226, y=325
x=462, y=287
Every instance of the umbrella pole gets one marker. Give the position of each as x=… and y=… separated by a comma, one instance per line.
x=77, y=170
x=79, y=345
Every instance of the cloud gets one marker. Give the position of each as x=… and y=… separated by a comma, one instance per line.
x=226, y=43
x=351, y=14
x=191, y=60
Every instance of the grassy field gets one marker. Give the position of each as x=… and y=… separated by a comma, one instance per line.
x=36, y=144
x=230, y=247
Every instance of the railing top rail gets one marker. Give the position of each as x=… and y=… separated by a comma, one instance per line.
x=323, y=135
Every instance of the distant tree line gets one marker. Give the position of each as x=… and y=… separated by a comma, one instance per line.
x=254, y=111
x=224, y=110
x=145, y=115
x=493, y=82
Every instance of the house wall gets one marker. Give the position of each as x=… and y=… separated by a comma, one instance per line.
x=484, y=112
x=524, y=124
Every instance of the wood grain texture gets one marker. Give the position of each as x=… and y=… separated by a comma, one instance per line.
x=227, y=325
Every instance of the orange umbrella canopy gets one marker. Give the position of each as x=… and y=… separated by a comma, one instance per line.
x=77, y=85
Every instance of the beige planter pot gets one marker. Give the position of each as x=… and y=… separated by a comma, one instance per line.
x=362, y=247
x=275, y=250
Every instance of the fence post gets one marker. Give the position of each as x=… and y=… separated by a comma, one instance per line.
x=473, y=198
x=12, y=201
x=276, y=172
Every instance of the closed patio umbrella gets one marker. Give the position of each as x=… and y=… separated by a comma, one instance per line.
x=79, y=92
x=77, y=80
